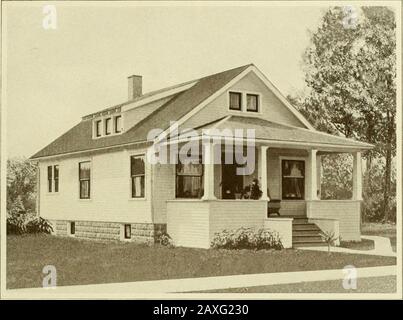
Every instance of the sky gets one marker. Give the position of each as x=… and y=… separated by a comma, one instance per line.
x=53, y=77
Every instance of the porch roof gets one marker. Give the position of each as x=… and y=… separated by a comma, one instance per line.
x=268, y=132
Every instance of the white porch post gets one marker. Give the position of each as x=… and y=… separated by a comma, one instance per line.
x=263, y=171
x=208, y=172
x=357, y=176
x=312, y=179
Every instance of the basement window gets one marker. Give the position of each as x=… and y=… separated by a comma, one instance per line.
x=72, y=228
x=127, y=231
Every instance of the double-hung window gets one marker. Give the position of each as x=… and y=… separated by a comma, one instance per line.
x=84, y=173
x=235, y=101
x=293, y=179
x=137, y=173
x=53, y=178
x=189, y=180
x=252, y=102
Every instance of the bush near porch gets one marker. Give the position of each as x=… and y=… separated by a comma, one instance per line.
x=80, y=262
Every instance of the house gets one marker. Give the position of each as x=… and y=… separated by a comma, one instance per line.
x=95, y=181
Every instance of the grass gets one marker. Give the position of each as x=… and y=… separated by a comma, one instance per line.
x=385, y=284
x=80, y=262
x=364, y=244
x=381, y=229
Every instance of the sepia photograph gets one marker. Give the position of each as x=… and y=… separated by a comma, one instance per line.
x=201, y=150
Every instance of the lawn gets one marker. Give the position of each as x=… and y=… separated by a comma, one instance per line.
x=364, y=285
x=380, y=229
x=89, y=262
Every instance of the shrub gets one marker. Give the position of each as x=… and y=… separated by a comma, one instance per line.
x=247, y=238
x=164, y=239
x=16, y=224
x=38, y=225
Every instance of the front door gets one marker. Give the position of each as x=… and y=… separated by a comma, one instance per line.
x=232, y=184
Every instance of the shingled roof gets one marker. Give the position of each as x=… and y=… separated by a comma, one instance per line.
x=276, y=132
x=79, y=138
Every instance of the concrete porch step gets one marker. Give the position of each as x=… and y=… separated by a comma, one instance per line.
x=305, y=233
x=305, y=227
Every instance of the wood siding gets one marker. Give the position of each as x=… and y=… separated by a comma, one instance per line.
x=347, y=212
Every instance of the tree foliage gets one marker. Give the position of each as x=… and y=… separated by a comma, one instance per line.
x=350, y=71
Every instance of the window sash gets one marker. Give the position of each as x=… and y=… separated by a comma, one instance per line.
x=127, y=231
x=56, y=177
x=137, y=165
x=108, y=130
x=84, y=176
x=138, y=186
x=118, y=124
x=293, y=179
x=98, y=128
x=189, y=180
x=252, y=102
x=235, y=101
x=49, y=178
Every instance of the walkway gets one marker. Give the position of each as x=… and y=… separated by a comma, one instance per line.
x=129, y=289
x=382, y=247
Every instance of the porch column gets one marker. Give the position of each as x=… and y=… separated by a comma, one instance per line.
x=357, y=176
x=263, y=171
x=208, y=172
x=312, y=179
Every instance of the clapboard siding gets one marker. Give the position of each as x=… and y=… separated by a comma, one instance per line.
x=110, y=190
x=234, y=214
x=347, y=212
x=188, y=223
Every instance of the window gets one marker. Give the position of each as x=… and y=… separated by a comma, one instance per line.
x=56, y=177
x=189, y=180
x=137, y=172
x=72, y=228
x=98, y=128
x=252, y=102
x=84, y=169
x=127, y=231
x=293, y=179
x=235, y=101
x=108, y=123
x=53, y=178
x=118, y=124
x=49, y=178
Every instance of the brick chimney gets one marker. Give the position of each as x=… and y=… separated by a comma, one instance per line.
x=135, y=86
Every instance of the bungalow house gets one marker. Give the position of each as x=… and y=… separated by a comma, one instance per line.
x=96, y=181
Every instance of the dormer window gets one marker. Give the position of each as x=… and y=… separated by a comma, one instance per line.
x=235, y=101
x=252, y=102
x=108, y=126
x=118, y=124
x=98, y=128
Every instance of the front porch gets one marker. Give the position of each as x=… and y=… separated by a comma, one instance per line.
x=286, y=166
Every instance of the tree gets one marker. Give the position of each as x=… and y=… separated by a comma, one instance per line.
x=350, y=69
x=21, y=186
